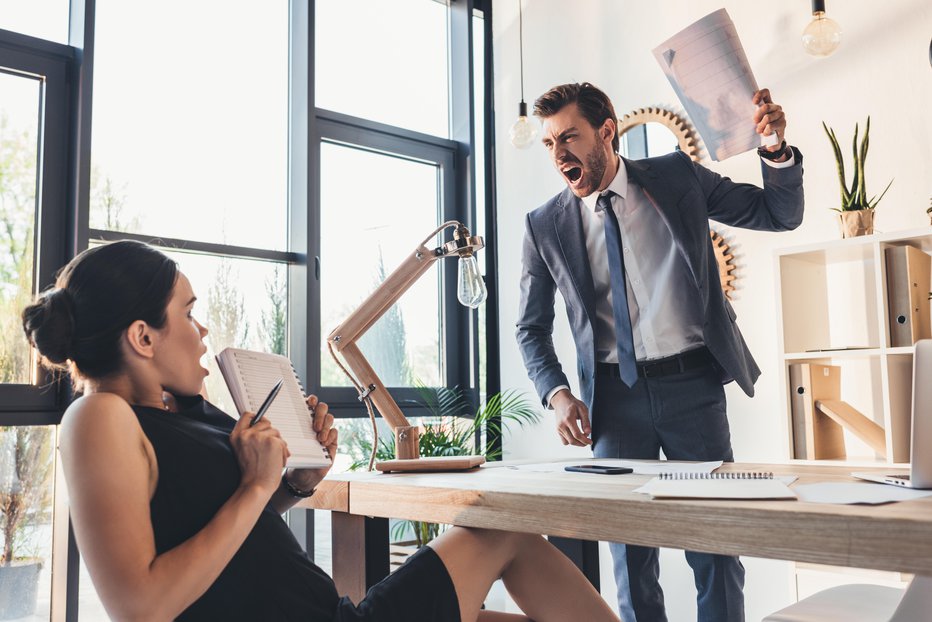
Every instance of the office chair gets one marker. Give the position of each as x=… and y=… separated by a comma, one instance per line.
x=863, y=603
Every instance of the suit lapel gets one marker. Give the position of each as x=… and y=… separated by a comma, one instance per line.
x=568, y=226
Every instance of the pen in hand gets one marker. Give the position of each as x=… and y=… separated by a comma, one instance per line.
x=268, y=402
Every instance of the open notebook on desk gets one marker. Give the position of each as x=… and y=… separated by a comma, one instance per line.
x=723, y=485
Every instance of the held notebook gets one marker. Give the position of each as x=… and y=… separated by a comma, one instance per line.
x=250, y=376
x=726, y=485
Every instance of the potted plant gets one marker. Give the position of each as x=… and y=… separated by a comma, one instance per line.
x=25, y=506
x=856, y=214
x=451, y=431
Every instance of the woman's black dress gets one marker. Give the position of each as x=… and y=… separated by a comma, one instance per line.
x=270, y=577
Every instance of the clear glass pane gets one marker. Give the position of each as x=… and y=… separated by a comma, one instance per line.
x=19, y=140
x=26, y=495
x=384, y=61
x=243, y=303
x=478, y=59
x=364, y=237
x=190, y=139
x=45, y=19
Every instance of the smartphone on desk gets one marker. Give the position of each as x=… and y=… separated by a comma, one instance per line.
x=599, y=468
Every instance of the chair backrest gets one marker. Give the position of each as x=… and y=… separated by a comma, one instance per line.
x=917, y=601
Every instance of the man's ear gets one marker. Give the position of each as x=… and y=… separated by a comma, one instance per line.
x=141, y=339
x=607, y=131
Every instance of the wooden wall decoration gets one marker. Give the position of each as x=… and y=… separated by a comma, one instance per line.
x=726, y=263
x=681, y=128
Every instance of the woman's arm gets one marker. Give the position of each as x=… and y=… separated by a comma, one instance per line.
x=111, y=473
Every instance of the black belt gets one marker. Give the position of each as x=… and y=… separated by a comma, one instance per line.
x=676, y=364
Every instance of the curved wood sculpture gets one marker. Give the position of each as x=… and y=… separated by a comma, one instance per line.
x=685, y=135
x=725, y=260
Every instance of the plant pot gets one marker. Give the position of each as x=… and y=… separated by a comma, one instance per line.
x=856, y=222
x=19, y=588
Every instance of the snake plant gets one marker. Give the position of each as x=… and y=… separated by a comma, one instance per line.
x=854, y=198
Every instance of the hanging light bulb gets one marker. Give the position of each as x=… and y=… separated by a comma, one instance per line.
x=822, y=35
x=524, y=130
x=470, y=287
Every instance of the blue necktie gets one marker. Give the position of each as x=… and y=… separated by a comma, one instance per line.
x=624, y=339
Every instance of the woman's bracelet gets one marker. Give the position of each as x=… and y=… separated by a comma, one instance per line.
x=295, y=492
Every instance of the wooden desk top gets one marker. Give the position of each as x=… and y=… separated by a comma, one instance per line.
x=896, y=536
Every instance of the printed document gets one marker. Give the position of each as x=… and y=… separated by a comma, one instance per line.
x=709, y=71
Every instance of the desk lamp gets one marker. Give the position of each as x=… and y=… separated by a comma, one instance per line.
x=471, y=292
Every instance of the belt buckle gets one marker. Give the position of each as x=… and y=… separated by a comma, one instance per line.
x=646, y=370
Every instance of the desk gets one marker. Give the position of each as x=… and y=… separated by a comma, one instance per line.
x=895, y=536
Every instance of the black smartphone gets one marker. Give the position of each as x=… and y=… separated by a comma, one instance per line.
x=599, y=468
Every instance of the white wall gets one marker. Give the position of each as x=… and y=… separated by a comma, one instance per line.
x=881, y=69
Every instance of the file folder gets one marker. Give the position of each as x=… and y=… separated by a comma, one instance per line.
x=908, y=286
x=815, y=435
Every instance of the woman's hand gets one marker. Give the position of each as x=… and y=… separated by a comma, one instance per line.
x=322, y=420
x=261, y=452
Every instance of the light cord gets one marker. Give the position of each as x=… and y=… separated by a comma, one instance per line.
x=521, y=46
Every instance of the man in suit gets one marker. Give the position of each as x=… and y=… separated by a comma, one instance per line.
x=627, y=244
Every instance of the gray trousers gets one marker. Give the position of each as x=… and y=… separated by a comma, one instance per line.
x=683, y=414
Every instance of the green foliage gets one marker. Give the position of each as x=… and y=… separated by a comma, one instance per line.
x=450, y=431
x=855, y=197
x=18, y=159
x=25, y=488
x=274, y=326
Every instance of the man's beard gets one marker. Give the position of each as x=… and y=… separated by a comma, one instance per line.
x=596, y=162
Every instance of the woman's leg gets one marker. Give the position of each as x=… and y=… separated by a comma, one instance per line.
x=543, y=582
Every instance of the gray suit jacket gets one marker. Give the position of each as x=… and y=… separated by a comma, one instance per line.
x=686, y=195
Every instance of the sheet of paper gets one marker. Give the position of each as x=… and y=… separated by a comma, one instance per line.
x=709, y=71
x=856, y=492
x=643, y=467
x=717, y=489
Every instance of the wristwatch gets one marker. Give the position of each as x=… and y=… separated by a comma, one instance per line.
x=772, y=155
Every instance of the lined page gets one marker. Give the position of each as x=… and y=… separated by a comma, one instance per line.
x=250, y=376
x=709, y=71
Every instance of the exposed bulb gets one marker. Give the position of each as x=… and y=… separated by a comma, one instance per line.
x=470, y=288
x=822, y=35
x=524, y=130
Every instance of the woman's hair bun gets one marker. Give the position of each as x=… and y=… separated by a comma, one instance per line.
x=49, y=325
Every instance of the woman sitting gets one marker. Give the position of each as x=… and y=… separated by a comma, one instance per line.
x=177, y=507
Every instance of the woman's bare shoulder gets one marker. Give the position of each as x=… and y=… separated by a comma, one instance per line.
x=98, y=415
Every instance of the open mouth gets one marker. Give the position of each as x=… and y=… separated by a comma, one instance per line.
x=573, y=173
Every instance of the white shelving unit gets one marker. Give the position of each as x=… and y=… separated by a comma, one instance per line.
x=833, y=311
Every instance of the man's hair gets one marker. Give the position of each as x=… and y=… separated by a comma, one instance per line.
x=593, y=104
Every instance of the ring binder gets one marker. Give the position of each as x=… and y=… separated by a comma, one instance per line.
x=723, y=475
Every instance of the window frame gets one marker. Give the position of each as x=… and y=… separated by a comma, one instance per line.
x=52, y=64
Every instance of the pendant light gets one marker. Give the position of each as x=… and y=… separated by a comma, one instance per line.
x=822, y=35
x=524, y=130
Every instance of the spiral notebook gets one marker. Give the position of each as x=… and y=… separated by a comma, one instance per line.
x=250, y=376
x=722, y=485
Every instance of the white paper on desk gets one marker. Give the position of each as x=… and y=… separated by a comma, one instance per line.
x=642, y=467
x=709, y=71
x=856, y=492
